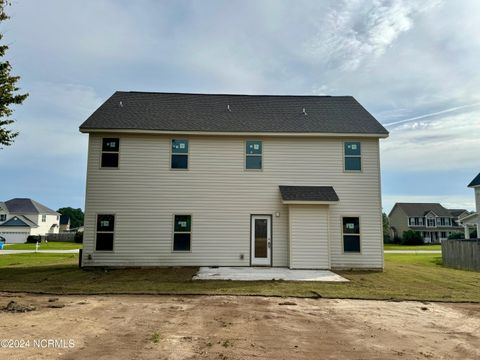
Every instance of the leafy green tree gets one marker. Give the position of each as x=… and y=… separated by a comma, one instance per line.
x=76, y=216
x=411, y=237
x=8, y=89
x=386, y=224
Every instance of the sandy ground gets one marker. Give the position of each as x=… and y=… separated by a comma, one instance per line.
x=227, y=327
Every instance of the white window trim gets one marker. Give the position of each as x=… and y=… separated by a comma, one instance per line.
x=105, y=232
x=345, y=156
x=109, y=152
x=182, y=232
x=359, y=234
x=247, y=155
x=174, y=153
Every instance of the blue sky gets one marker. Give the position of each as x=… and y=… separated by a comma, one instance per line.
x=412, y=64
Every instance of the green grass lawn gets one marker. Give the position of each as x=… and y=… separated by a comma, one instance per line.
x=406, y=277
x=411, y=247
x=44, y=246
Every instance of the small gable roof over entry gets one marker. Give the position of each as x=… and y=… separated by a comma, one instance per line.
x=305, y=194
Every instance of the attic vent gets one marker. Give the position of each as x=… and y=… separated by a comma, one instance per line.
x=228, y=108
x=304, y=112
x=120, y=104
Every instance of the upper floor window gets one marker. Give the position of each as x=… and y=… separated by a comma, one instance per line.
x=351, y=234
x=44, y=218
x=253, y=155
x=179, y=154
x=445, y=221
x=430, y=222
x=105, y=232
x=110, y=151
x=415, y=221
x=353, y=156
x=3, y=217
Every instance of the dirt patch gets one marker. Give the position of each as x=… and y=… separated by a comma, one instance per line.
x=228, y=327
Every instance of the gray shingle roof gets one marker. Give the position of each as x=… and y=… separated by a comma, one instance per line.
x=233, y=113
x=421, y=209
x=64, y=220
x=475, y=182
x=308, y=193
x=457, y=212
x=27, y=206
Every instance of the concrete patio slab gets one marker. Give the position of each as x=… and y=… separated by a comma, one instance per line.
x=260, y=273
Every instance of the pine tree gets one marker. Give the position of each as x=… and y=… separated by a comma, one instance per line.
x=8, y=89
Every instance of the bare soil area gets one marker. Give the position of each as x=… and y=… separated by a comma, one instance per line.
x=235, y=327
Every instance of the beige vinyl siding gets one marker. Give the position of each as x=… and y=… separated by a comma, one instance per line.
x=220, y=195
x=309, y=248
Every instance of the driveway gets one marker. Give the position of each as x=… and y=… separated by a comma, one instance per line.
x=229, y=327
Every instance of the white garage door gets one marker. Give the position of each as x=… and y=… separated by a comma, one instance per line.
x=14, y=237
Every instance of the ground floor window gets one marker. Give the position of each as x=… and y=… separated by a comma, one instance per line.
x=105, y=232
x=351, y=234
x=182, y=232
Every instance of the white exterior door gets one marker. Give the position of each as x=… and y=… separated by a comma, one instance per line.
x=261, y=247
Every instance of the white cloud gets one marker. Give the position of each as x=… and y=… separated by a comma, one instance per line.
x=356, y=30
x=447, y=143
x=48, y=123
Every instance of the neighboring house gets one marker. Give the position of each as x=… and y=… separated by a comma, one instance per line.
x=64, y=223
x=432, y=220
x=473, y=219
x=457, y=214
x=22, y=217
x=233, y=180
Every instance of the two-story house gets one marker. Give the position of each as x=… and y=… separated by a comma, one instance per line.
x=432, y=220
x=233, y=180
x=22, y=217
x=472, y=220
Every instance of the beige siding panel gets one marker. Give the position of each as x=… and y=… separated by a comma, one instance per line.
x=144, y=194
x=309, y=237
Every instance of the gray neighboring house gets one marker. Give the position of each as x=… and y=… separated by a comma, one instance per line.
x=233, y=180
x=472, y=220
x=432, y=220
x=21, y=217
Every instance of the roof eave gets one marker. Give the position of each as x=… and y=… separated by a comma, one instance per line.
x=239, y=133
x=308, y=202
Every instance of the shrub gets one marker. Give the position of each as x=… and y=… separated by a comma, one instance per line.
x=78, y=237
x=411, y=237
x=397, y=239
x=32, y=239
x=456, y=235
x=387, y=239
